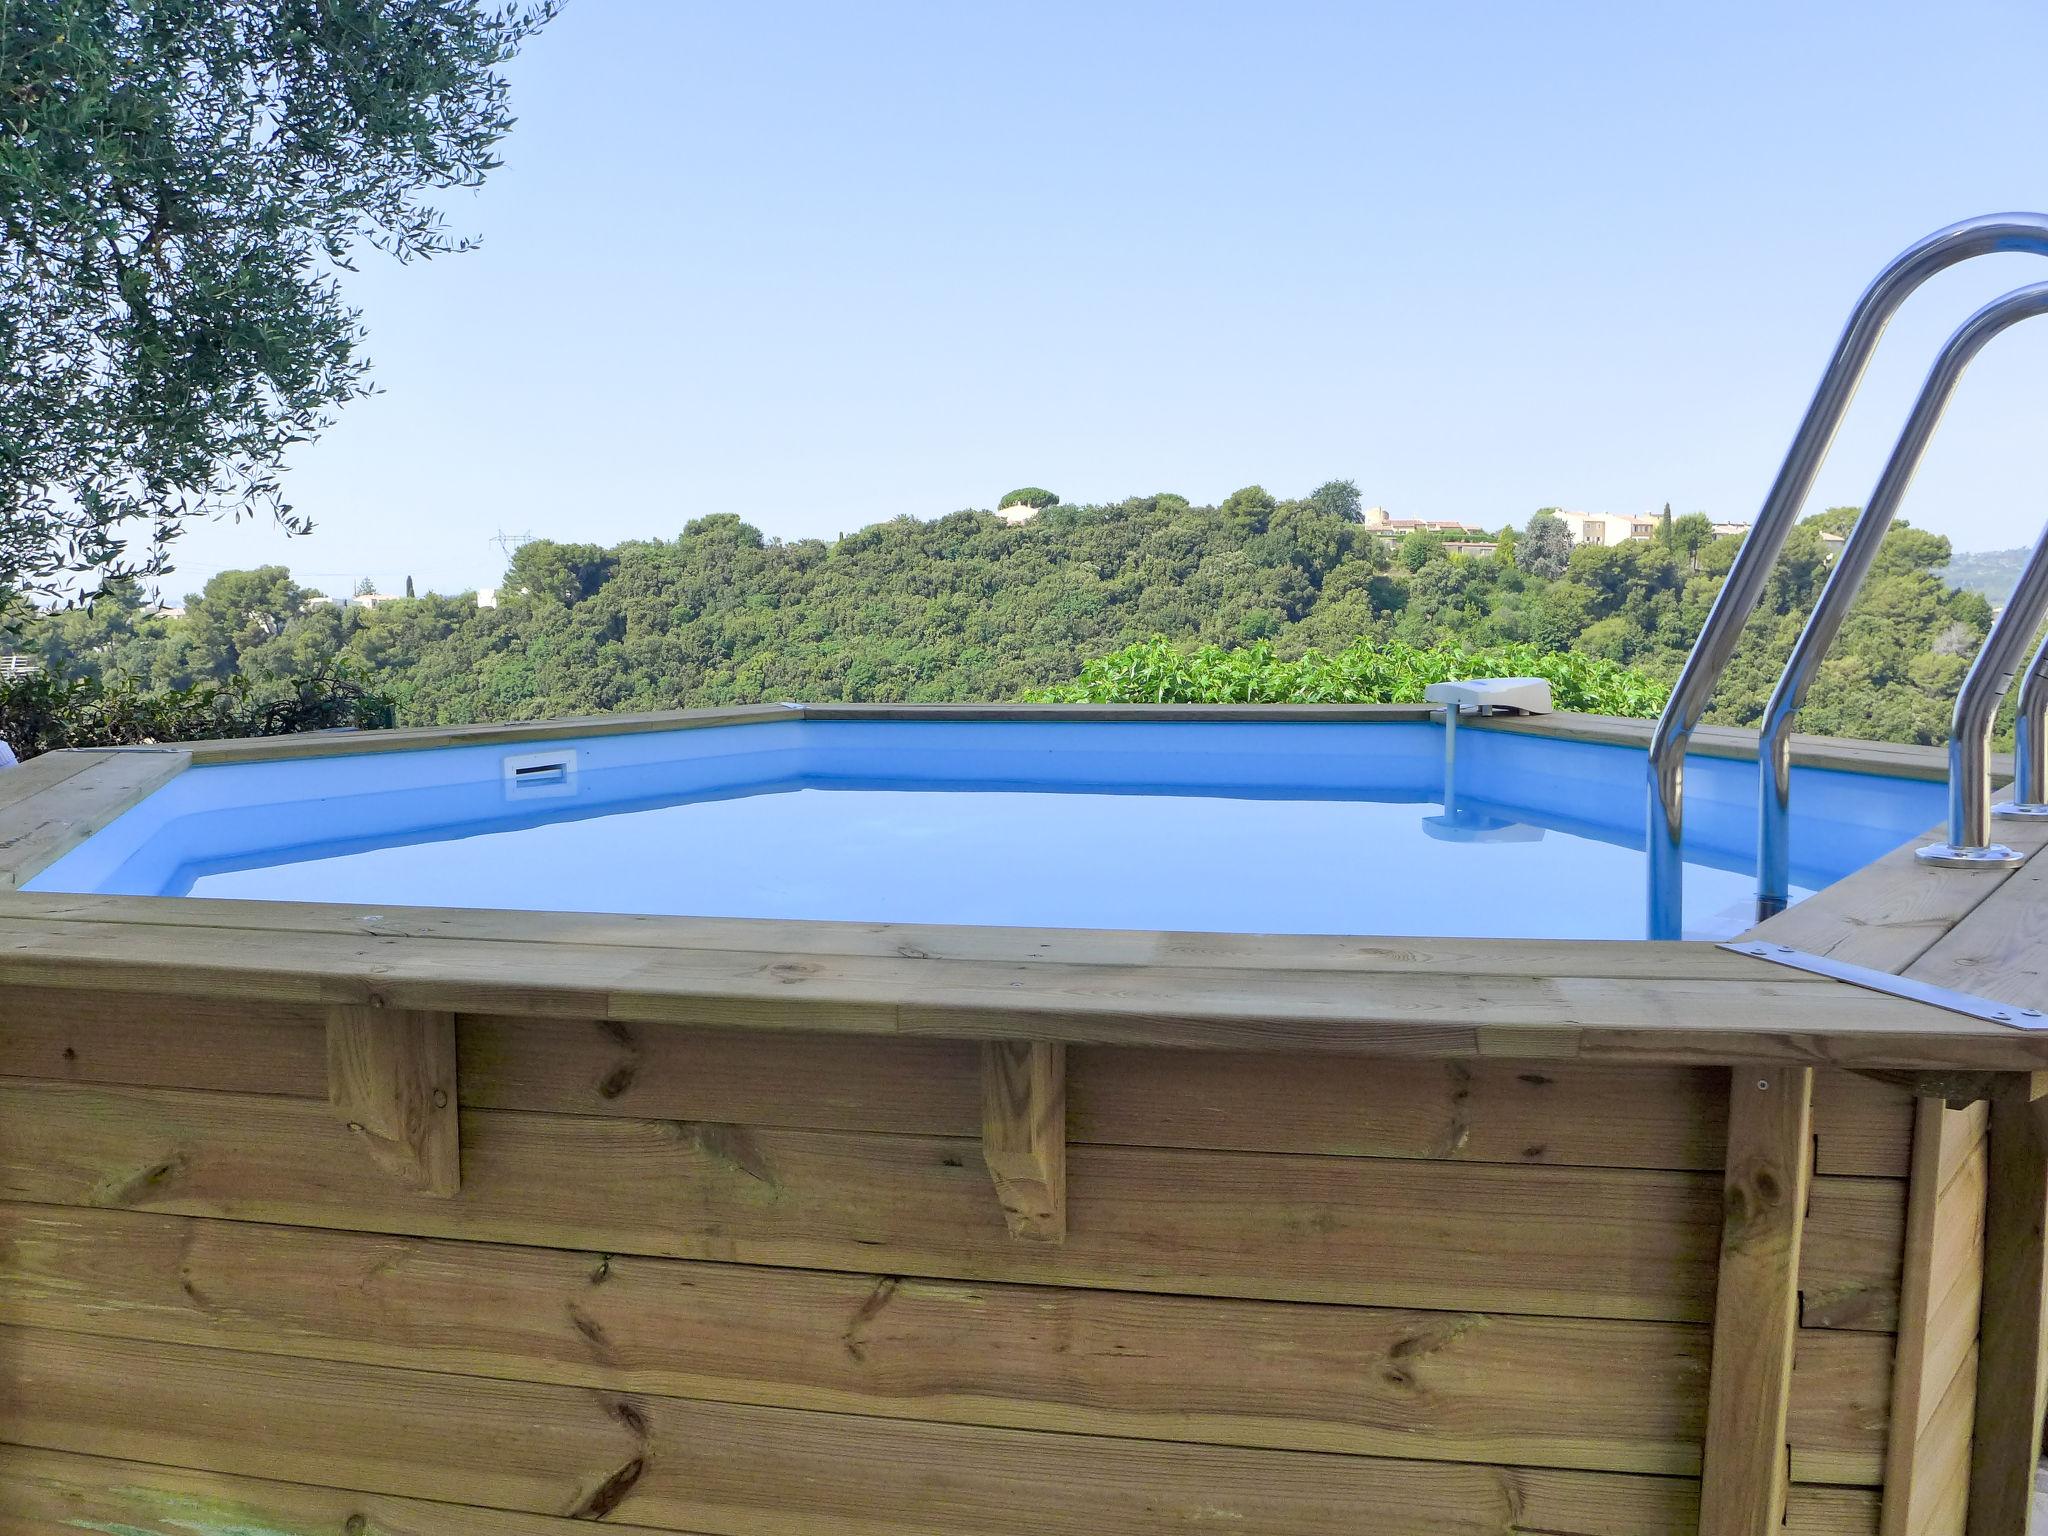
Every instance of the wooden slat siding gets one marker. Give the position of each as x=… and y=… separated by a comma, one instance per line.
x=1840, y=1408
x=748, y=1471
x=1479, y=1111
x=742, y=1472
x=123, y=1037
x=1585, y=1242
x=1811, y=1510
x=1595, y=1395
x=36, y=831
x=391, y=1079
x=2012, y=1378
x=1938, y=1254
x=56, y=1493
x=1397, y=1014
x=1756, y=1307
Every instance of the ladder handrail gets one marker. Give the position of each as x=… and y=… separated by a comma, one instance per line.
x=1746, y=579
x=1852, y=567
x=2029, y=768
x=1969, y=842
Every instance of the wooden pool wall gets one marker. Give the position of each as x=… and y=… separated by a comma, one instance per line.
x=317, y=1221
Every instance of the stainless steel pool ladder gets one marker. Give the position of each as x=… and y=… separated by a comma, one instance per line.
x=1759, y=552
x=1838, y=595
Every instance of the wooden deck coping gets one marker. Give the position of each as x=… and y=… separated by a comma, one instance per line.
x=1606, y=1000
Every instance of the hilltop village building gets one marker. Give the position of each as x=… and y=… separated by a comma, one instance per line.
x=1604, y=528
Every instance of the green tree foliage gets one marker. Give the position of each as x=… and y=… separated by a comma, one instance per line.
x=968, y=607
x=1545, y=546
x=42, y=712
x=178, y=181
x=1028, y=496
x=1156, y=671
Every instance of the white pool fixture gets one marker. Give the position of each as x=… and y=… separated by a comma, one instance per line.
x=1493, y=695
x=540, y=775
x=1483, y=696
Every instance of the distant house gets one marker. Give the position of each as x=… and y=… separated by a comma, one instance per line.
x=487, y=597
x=1379, y=521
x=1607, y=528
x=359, y=600
x=1017, y=512
x=13, y=664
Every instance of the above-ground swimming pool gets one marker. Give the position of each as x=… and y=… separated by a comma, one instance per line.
x=1240, y=826
x=1029, y=1196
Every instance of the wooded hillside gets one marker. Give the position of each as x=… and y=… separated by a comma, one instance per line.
x=971, y=607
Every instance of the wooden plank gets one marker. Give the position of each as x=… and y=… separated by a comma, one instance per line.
x=1361, y=955
x=55, y=1493
x=1297, y=1376
x=1024, y=1135
x=1997, y=950
x=42, y=773
x=1810, y=1511
x=391, y=1081
x=1583, y=1242
x=121, y=1037
x=660, y=1072
x=726, y=1468
x=36, y=831
x=2012, y=1378
x=1756, y=1306
x=1398, y=1014
x=1937, y=1312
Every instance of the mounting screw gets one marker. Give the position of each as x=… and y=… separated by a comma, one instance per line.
x=1763, y=1083
x=440, y=1098
x=356, y=1126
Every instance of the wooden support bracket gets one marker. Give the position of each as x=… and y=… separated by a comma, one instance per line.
x=1024, y=1134
x=1960, y=1089
x=2012, y=1349
x=1756, y=1302
x=391, y=1080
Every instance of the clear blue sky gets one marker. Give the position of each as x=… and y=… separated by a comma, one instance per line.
x=825, y=264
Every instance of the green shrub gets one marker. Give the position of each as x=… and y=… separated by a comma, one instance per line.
x=1157, y=672
x=42, y=713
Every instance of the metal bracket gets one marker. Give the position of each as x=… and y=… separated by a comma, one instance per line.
x=1975, y=1007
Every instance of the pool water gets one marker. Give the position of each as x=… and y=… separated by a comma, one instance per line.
x=1227, y=827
